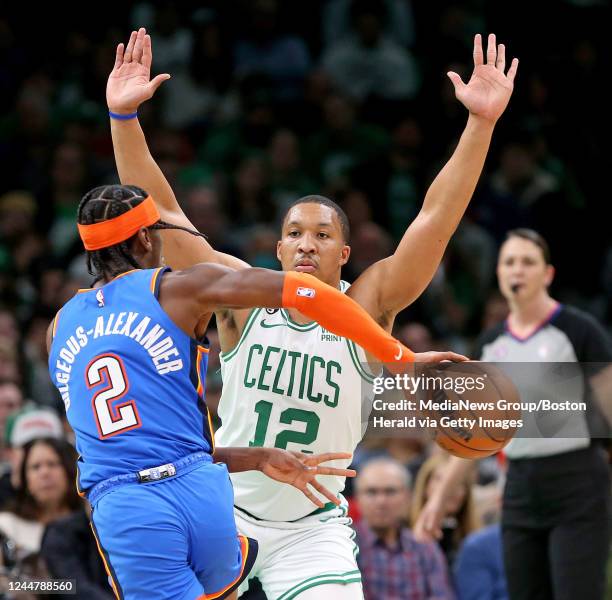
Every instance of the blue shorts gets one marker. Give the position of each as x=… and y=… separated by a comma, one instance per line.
x=173, y=538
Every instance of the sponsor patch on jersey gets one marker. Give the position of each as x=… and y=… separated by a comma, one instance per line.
x=306, y=292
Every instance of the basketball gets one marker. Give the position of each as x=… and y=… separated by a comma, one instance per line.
x=470, y=423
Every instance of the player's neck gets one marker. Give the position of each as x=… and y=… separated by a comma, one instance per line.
x=524, y=316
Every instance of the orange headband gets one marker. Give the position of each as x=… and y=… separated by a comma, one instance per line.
x=121, y=228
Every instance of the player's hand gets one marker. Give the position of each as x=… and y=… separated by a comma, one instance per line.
x=300, y=471
x=488, y=91
x=130, y=84
x=428, y=526
x=436, y=357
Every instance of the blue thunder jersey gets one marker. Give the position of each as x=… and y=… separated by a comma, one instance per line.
x=132, y=382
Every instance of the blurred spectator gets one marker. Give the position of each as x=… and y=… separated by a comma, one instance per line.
x=462, y=281
x=46, y=493
x=249, y=199
x=261, y=247
x=39, y=387
x=399, y=25
x=204, y=210
x=229, y=143
x=69, y=174
x=357, y=207
x=342, y=143
x=416, y=336
x=9, y=331
x=26, y=133
x=479, y=568
x=461, y=518
x=287, y=178
x=11, y=400
x=9, y=361
x=393, y=564
x=173, y=43
x=17, y=211
x=70, y=551
x=369, y=64
x=21, y=428
x=495, y=311
x=370, y=243
x=519, y=193
x=202, y=90
x=266, y=49
x=396, y=178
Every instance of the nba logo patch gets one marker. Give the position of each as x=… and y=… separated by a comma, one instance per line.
x=306, y=292
x=100, y=298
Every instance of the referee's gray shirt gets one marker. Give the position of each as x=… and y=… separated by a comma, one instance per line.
x=567, y=335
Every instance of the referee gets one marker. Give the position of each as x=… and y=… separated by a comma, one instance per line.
x=556, y=504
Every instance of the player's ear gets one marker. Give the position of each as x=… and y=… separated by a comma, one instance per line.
x=344, y=255
x=144, y=239
x=279, y=245
x=550, y=275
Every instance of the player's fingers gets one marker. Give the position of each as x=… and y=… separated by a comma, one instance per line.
x=119, y=56
x=138, y=45
x=325, y=456
x=324, y=492
x=454, y=357
x=501, y=58
x=456, y=80
x=147, y=52
x=513, y=68
x=306, y=491
x=127, y=56
x=336, y=472
x=491, y=50
x=157, y=81
x=478, y=58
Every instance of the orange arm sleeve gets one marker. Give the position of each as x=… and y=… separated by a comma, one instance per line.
x=341, y=315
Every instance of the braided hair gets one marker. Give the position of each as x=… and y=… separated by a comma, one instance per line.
x=107, y=202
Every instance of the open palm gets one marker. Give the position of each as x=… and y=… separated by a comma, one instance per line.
x=300, y=471
x=130, y=84
x=489, y=89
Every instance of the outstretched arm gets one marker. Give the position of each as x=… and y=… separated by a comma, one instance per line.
x=402, y=277
x=128, y=86
x=208, y=288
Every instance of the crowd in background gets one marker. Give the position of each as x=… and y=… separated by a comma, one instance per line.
x=270, y=101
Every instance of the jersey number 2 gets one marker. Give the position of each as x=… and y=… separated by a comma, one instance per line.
x=108, y=370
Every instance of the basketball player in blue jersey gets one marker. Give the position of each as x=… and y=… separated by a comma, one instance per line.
x=129, y=359
x=303, y=553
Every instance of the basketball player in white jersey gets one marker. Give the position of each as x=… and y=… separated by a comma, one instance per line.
x=286, y=382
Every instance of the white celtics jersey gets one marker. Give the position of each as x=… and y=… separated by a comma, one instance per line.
x=291, y=386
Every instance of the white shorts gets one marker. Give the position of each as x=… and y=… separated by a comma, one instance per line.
x=298, y=555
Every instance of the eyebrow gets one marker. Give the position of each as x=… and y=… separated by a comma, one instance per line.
x=326, y=224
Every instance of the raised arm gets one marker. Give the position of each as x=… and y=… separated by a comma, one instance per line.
x=402, y=277
x=128, y=86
